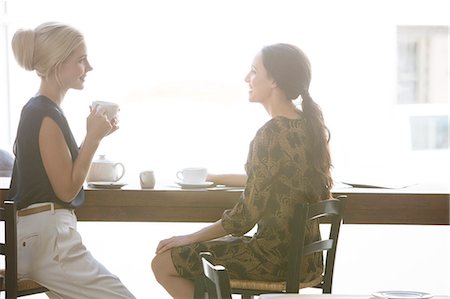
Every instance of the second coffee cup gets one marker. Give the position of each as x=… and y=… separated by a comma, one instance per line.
x=193, y=175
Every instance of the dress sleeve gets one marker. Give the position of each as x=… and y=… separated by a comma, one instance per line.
x=262, y=166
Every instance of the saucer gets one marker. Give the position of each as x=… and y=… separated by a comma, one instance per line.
x=106, y=185
x=194, y=185
x=401, y=295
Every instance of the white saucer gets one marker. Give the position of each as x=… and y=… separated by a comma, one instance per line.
x=401, y=295
x=194, y=186
x=106, y=185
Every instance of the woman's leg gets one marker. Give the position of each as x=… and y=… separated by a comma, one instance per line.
x=166, y=274
x=57, y=259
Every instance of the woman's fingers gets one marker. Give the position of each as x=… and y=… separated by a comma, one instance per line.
x=171, y=243
x=98, y=124
x=164, y=245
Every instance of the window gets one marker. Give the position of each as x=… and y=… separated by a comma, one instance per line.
x=423, y=64
x=177, y=70
x=429, y=132
x=4, y=87
x=423, y=80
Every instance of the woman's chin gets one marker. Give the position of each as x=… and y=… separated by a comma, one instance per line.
x=79, y=87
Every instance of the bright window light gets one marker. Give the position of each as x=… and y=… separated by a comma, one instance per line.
x=177, y=70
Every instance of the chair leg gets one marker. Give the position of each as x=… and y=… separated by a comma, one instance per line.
x=199, y=289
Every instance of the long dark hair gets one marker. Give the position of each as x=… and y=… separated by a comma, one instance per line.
x=291, y=70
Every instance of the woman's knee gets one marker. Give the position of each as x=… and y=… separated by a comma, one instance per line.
x=162, y=265
x=156, y=264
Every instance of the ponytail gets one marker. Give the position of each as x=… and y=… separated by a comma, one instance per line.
x=319, y=153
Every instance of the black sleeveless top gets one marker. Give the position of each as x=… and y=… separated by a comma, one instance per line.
x=30, y=183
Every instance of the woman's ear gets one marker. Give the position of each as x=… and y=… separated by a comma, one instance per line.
x=273, y=84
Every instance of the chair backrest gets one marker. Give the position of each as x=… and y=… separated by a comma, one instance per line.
x=8, y=248
x=332, y=211
x=217, y=282
x=8, y=278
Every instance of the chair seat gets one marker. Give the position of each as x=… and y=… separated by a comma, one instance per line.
x=271, y=286
x=23, y=285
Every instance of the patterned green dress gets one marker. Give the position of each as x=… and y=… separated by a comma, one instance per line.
x=278, y=177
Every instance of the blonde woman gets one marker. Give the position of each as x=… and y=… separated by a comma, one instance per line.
x=50, y=169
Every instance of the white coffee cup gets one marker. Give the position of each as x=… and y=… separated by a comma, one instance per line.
x=109, y=108
x=192, y=175
x=147, y=179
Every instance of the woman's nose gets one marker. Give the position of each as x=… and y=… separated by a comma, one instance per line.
x=88, y=67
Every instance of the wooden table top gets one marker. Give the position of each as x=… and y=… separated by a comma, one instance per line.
x=423, y=205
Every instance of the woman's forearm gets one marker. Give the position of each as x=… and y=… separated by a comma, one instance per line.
x=233, y=180
x=84, y=159
x=209, y=232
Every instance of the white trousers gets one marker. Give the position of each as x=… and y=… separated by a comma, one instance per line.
x=51, y=252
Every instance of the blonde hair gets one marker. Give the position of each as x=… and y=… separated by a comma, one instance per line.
x=46, y=47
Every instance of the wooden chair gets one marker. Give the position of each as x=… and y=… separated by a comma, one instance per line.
x=216, y=280
x=8, y=276
x=330, y=209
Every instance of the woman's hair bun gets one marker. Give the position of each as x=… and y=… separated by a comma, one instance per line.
x=23, y=48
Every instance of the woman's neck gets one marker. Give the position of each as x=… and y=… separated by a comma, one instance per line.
x=281, y=106
x=51, y=89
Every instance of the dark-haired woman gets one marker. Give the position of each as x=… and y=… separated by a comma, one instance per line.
x=288, y=162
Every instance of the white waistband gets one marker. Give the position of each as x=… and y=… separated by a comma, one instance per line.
x=40, y=204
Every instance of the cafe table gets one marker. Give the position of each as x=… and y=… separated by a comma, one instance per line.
x=416, y=205
x=326, y=296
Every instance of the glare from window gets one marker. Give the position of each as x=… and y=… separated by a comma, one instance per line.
x=429, y=132
x=423, y=64
x=177, y=70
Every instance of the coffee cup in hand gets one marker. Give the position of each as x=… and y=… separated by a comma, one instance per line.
x=193, y=175
x=110, y=109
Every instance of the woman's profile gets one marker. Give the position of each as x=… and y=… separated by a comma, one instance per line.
x=50, y=169
x=288, y=162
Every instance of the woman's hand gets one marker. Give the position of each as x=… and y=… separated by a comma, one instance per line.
x=173, y=242
x=207, y=233
x=115, y=125
x=98, y=125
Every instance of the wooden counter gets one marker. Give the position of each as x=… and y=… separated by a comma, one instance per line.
x=427, y=205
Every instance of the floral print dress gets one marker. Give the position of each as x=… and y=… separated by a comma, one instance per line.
x=278, y=178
